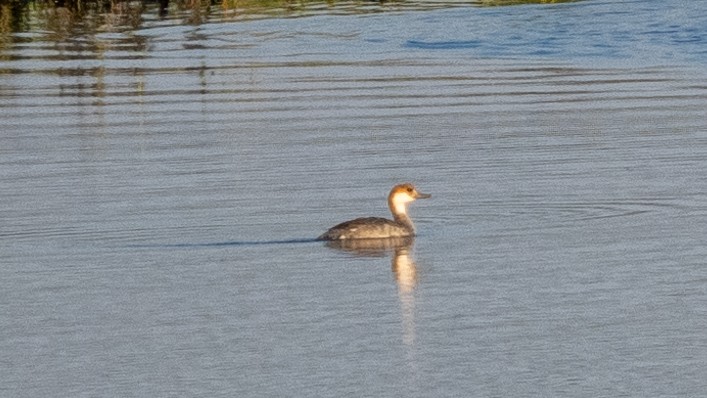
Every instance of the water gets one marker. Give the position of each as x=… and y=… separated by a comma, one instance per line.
x=161, y=186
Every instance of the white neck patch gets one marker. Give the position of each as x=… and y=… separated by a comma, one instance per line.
x=400, y=202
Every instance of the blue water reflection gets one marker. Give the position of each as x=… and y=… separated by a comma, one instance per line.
x=645, y=32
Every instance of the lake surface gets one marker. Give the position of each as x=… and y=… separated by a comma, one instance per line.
x=161, y=186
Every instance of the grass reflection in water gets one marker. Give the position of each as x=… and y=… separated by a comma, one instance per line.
x=64, y=18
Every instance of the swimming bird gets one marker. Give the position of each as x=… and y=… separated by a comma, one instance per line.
x=376, y=227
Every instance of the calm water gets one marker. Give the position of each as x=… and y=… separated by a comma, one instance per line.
x=160, y=185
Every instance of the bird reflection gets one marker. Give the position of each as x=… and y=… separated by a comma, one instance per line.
x=403, y=267
x=372, y=247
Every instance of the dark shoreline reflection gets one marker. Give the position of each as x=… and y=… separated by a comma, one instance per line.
x=403, y=267
x=64, y=19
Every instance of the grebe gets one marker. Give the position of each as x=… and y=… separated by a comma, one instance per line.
x=376, y=227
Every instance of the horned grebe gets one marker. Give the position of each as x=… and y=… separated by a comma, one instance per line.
x=376, y=227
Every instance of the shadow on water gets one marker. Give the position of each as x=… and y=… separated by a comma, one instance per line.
x=226, y=243
x=358, y=247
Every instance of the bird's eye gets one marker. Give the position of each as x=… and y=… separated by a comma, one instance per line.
x=409, y=189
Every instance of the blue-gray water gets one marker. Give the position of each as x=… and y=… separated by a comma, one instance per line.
x=159, y=188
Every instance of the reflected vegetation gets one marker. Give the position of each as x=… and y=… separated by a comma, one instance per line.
x=96, y=27
x=403, y=267
x=82, y=29
x=63, y=18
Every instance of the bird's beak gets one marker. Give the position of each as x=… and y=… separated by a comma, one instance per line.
x=419, y=195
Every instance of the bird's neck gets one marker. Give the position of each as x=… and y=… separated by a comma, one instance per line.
x=403, y=218
x=400, y=213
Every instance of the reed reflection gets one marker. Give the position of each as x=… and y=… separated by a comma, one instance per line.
x=68, y=19
x=403, y=267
